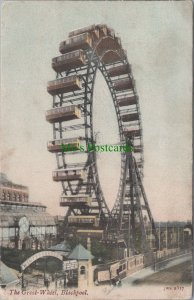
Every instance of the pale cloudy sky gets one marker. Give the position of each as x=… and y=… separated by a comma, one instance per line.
x=158, y=39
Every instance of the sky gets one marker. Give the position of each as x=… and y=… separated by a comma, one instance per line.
x=158, y=39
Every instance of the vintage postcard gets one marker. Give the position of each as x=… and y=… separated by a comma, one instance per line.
x=96, y=150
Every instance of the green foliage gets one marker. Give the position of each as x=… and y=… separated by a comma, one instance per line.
x=100, y=252
x=74, y=241
x=50, y=264
x=13, y=258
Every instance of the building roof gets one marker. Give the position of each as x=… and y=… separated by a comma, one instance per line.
x=3, y=178
x=36, y=218
x=80, y=253
x=64, y=246
x=25, y=203
x=170, y=224
x=4, y=181
x=7, y=275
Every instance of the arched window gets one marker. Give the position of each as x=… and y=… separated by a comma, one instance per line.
x=82, y=270
x=4, y=195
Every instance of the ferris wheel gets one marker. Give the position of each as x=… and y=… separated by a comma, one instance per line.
x=85, y=51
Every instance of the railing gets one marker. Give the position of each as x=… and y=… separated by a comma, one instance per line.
x=62, y=109
x=67, y=56
x=130, y=265
x=63, y=80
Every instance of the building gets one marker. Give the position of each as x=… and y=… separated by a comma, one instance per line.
x=84, y=271
x=175, y=234
x=23, y=224
x=8, y=277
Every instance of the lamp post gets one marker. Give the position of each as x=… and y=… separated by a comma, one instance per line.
x=178, y=238
x=15, y=233
x=45, y=265
x=65, y=279
x=22, y=278
x=159, y=237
